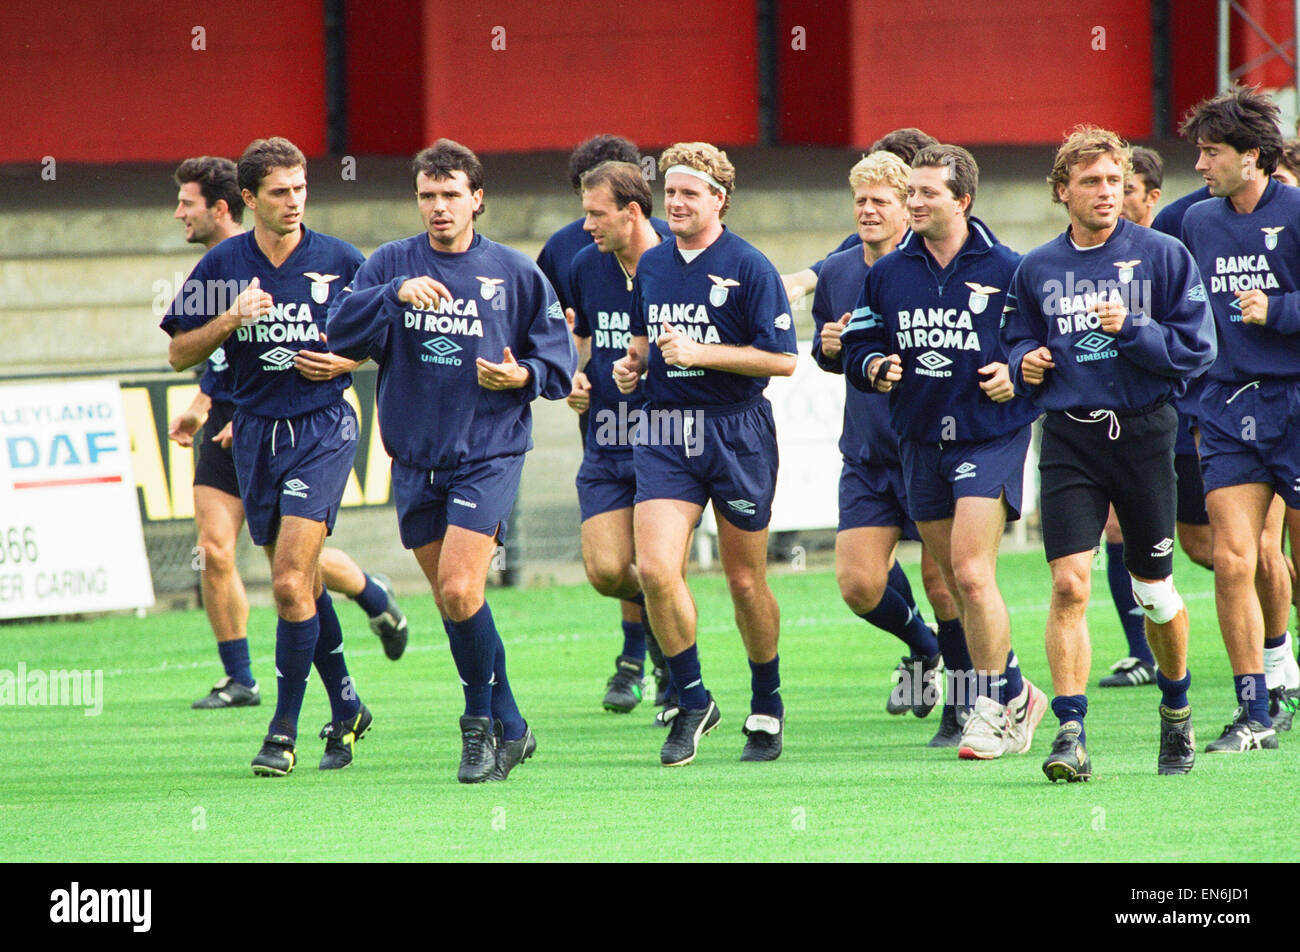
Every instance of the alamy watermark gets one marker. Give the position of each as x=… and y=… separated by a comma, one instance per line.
x=648, y=427
x=963, y=686
x=39, y=688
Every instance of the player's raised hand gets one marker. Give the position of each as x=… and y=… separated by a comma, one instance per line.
x=570, y=318
x=253, y=303
x=997, y=382
x=627, y=371
x=884, y=372
x=580, y=398
x=830, y=336
x=1254, y=306
x=423, y=292
x=1035, y=365
x=507, y=375
x=677, y=349
x=1113, y=314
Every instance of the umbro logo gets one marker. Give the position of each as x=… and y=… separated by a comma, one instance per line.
x=742, y=506
x=296, y=487
x=1093, y=342
x=278, y=358
x=933, y=360
x=464, y=502
x=441, y=346
x=965, y=471
x=1163, y=547
x=782, y=322
x=1197, y=294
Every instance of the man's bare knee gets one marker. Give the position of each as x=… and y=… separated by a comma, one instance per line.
x=1070, y=588
x=607, y=578
x=746, y=584
x=861, y=590
x=461, y=597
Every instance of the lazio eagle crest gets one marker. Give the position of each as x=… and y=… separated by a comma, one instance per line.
x=320, y=285
x=721, y=288
x=979, y=296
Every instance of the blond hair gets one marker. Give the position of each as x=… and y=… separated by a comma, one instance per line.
x=1083, y=146
x=881, y=168
x=705, y=158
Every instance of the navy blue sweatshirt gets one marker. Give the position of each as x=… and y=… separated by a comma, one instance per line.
x=1238, y=252
x=432, y=412
x=1167, y=338
x=943, y=324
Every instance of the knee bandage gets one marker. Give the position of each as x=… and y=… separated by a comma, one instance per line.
x=1159, y=600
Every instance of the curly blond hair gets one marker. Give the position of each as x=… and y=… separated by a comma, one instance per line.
x=881, y=168
x=706, y=158
x=1083, y=146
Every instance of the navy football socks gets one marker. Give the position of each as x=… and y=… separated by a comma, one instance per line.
x=1253, y=695
x=956, y=658
x=295, y=641
x=372, y=599
x=1131, y=617
x=1173, y=694
x=504, y=708
x=331, y=667
x=903, y=622
x=634, y=641
x=234, y=658
x=1071, y=707
x=765, y=682
x=1007, y=687
x=685, y=668
x=473, y=648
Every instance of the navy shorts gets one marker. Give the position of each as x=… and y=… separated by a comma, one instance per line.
x=297, y=466
x=938, y=474
x=215, y=466
x=606, y=482
x=873, y=494
x=730, y=458
x=476, y=496
x=1251, y=434
x=1185, y=444
x=1127, y=461
x=1191, y=490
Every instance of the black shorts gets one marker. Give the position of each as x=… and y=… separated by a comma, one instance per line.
x=1191, y=490
x=1083, y=469
x=216, y=465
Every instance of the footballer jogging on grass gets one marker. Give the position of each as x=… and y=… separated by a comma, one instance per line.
x=210, y=206
x=1246, y=241
x=872, y=496
x=294, y=435
x=618, y=204
x=926, y=331
x=1104, y=327
x=467, y=333
x=710, y=324
x=556, y=261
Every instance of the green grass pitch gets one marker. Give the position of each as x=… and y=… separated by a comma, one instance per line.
x=150, y=779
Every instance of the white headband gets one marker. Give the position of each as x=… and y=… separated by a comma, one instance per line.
x=702, y=176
